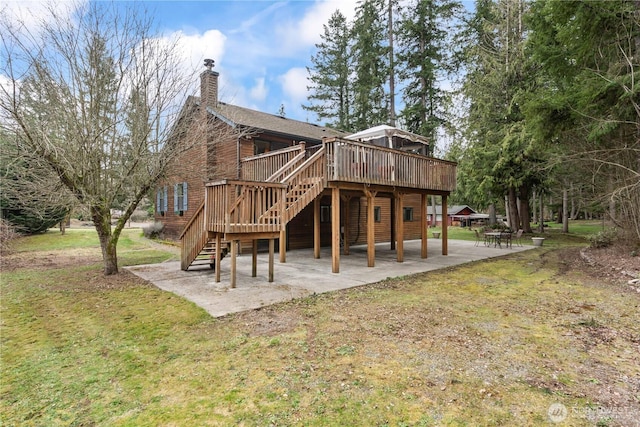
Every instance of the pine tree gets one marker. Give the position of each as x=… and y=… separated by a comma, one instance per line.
x=425, y=38
x=502, y=158
x=331, y=91
x=371, y=65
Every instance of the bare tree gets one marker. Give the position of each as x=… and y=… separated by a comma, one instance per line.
x=96, y=97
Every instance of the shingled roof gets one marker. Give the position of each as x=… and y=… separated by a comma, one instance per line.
x=237, y=116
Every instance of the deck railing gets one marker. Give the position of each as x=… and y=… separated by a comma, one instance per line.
x=352, y=161
x=246, y=206
x=234, y=206
x=263, y=166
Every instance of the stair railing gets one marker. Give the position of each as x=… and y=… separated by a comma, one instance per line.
x=193, y=238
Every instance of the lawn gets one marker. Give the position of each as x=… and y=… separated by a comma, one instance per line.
x=510, y=341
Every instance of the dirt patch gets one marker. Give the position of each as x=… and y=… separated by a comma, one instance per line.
x=617, y=264
x=49, y=260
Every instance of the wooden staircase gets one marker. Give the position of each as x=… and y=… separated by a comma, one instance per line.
x=248, y=208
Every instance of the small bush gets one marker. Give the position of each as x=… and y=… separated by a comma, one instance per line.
x=603, y=239
x=7, y=234
x=139, y=216
x=153, y=231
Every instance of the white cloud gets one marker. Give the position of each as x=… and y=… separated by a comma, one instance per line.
x=259, y=91
x=195, y=48
x=306, y=31
x=294, y=84
x=32, y=13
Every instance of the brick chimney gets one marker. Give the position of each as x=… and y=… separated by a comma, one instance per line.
x=209, y=85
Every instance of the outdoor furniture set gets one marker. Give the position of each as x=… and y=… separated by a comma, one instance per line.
x=497, y=238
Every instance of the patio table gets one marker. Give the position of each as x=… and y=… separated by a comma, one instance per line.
x=493, y=237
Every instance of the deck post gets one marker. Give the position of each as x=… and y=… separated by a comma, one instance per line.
x=316, y=227
x=234, y=256
x=254, y=258
x=218, y=256
x=283, y=245
x=400, y=227
x=335, y=230
x=445, y=223
x=371, y=229
x=393, y=222
x=423, y=225
x=271, y=256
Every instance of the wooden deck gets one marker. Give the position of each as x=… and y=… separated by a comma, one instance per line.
x=276, y=186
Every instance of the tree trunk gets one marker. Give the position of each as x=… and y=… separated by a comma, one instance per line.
x=514, y=219
x=541, y=219
x=392, y=85
x=108, y=241
x=525, y=209
x=492, y=214
x=434, y=223
x=565, y=210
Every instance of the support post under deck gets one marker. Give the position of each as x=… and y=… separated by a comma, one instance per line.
x=335, y=230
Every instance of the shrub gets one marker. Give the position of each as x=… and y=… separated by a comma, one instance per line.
x=153, y=231
x=7, y=234
x=139, y=216
x=603, y=239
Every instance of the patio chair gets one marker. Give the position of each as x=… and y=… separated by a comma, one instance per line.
x=517, y=236
x=505, y=237
x=480, y=238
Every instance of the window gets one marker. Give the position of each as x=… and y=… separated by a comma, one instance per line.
x=407, y=214
x=180, y=198
x=262, y=146
x=377, y=214
x=161, y=200
x=325, y=213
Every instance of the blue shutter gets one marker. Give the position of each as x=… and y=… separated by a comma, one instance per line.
x=184, y=196
x=176, y=208
x=165, y=201
x=158, y=207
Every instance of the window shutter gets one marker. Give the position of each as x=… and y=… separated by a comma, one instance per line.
x=158, y=207
x=165, y=201
x=184, y=196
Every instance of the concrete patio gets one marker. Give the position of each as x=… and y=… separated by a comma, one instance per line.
x=303, y=275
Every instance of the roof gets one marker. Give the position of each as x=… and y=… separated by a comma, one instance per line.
x=388, y=132
x=245, y=117
x=451, y=210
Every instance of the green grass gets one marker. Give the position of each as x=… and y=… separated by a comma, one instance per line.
x=554, y=237
x=488, y=343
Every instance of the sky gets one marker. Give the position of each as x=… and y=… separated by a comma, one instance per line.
x=261, y=48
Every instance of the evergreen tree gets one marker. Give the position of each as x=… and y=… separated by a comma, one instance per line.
x=502, y=159
x=590, y=108
x=371, y=65
x=331, y=90
x=426, y=33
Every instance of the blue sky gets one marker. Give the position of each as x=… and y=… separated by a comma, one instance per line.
x=261, y=48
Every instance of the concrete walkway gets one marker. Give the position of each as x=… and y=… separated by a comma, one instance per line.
x=303, y=275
